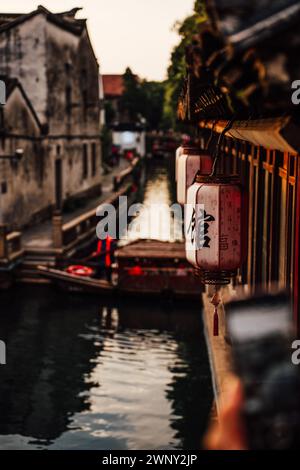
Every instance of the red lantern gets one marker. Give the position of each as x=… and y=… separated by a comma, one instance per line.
x=191, y=161
x=215, y=226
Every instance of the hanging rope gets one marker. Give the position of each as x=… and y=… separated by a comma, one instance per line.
x=211, y=135
x=217, y=150
x=206, y=147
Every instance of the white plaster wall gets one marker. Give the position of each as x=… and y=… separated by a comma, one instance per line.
x=29, y=182
x=36, y=52
x=101, y=98
x=73, y=167
x=22, y=55
x=138, y=142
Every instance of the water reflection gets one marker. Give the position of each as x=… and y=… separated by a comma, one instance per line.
x=86, y=373
x=156, y=220
x=82, y=374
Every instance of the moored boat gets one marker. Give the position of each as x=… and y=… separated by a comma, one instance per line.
x=142, y=267
x=155, y=267
x=75, y=282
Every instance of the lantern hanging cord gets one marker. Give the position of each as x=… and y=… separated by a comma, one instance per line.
x=198, y=172
x=211, y=135
x=217, y=150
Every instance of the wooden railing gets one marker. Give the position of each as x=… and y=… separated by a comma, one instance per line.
x=121, y=178
x=78, y=229
x=14, y=245
x=72, y=233
x=272, y=181
x=10, y=246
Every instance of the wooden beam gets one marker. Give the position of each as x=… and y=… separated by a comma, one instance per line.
x=273, y=133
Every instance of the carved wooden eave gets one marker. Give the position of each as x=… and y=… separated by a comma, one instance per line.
x=264, y=28
x=281, y=134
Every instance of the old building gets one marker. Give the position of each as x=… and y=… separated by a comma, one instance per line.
x=127, y=134
x=26, y=183
x=52, y=112
x=113, y=88
x=238, y=92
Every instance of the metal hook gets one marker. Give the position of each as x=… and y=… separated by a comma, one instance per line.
x=221, y=136
x=211, y=134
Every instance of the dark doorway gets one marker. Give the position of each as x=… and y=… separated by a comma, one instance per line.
x=58, y=184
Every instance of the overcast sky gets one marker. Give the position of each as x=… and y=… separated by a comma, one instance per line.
x=137, y=33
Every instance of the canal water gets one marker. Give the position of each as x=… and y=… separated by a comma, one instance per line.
x=89, y=373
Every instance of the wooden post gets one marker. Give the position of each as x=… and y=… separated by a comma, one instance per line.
x=57, y=223
x=274, y=219
x=296, y=299
x=250, y=158
x=3, y=244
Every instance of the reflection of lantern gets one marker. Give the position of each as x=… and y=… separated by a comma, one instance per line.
x=215, y=228
x=191, y=162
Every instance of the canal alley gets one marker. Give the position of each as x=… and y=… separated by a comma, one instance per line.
x=88, y=373
x=149, y=229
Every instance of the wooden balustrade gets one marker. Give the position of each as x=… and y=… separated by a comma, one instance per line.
x=10, y=245
x=121, y=178
x=272, y=180
x=79, y=229
x=72, y=233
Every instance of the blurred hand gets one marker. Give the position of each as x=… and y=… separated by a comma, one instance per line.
x=229, y=432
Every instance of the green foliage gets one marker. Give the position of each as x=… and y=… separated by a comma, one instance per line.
x=177, y=69
x=142, y=99
x=152, y=103
x=201, y=11
x=130, y=100
x=106, y=139
x=109, y=113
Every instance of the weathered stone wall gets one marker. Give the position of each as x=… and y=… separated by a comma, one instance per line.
x=75, y=181
x=72, y=84
x=23, y=56
x=59, y=73
x=73, y=108
x=26, y=186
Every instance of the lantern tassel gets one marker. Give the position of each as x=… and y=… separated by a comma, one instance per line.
x=215, y=301
x=216, y=322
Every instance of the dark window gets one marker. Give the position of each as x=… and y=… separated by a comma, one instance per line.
x=1, y=118
x=58, y=150
x=85, y=161
x=38, y=153
x=68, y=67
x=84, y=92
x=94, y=158
x=85, y=98
x=4, y=187
x=85, y=103
x=68, y=98
x=58, y=184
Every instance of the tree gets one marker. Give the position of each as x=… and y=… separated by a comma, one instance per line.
x=186, y=29
x=130, y=100
x=152, y=103
x=142, y=99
